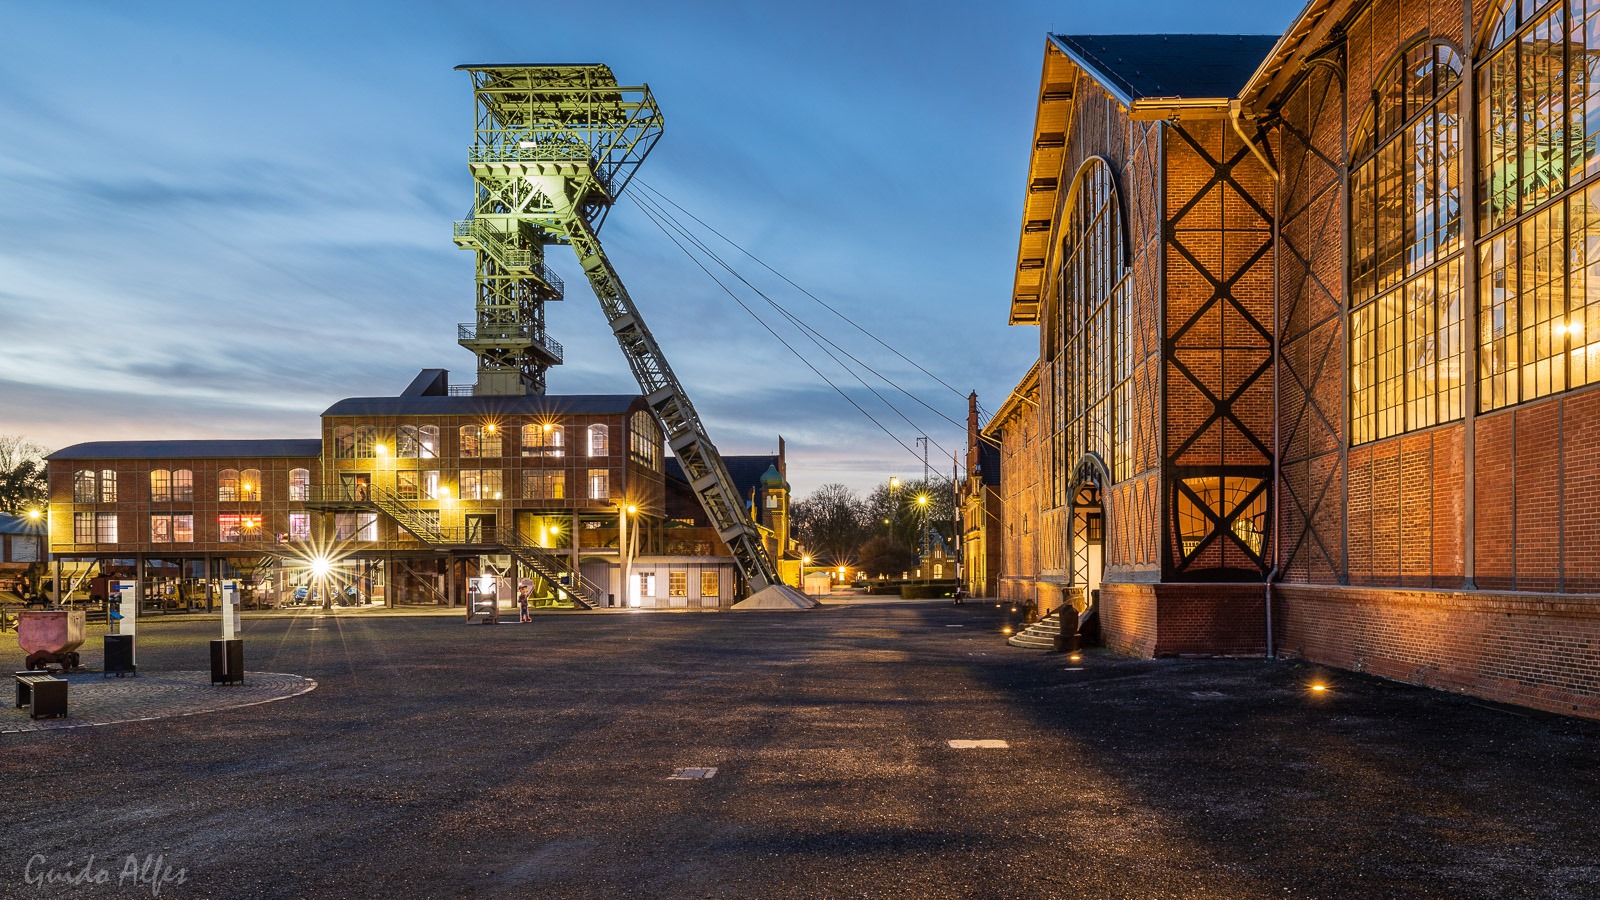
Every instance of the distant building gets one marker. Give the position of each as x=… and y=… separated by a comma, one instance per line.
x=762, y=481
x=982, y=511
x=418, y=498
x=24, y=549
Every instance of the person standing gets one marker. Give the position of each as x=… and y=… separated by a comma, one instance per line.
x=522, y=603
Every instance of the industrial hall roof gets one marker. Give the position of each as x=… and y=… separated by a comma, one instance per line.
x=1135, y=67
x=21, y=525
x=190, y=449
x=530, y=404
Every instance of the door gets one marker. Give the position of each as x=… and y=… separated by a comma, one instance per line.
x=355, y=486
x=480, y=529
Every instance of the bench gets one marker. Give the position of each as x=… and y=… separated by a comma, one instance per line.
x=43, y=694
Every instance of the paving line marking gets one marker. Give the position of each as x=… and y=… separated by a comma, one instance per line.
x=693, y=774
x=982, y=744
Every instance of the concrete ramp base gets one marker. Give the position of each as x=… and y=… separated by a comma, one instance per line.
x=779, y=596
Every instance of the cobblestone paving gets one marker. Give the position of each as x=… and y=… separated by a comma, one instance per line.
x=93, y=699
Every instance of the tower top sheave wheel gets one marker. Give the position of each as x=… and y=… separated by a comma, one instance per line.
x=573, y=121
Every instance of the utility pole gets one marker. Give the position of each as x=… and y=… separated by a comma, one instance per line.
x=926, y=512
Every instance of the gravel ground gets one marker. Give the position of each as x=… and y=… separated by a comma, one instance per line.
x=437, y=759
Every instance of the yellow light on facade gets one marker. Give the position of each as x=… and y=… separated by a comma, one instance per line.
x=489, y=428
x=632, y=509
x=33, y=514
x=246, y=487
x=547, y=426
x=381, y=450
x=1319, y=687
x=497, y=495
x=444, y=492
x=1006, y=630
x=922, y=499
x=320, y=566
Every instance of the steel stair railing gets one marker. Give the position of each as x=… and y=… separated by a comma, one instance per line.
x=549, y=566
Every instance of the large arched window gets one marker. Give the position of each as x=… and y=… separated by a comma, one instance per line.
x=300, y=484
x=1091, y=293
x=1406, y=344
x=1538, y=204
x=366, y=441
x=160, y=486
x=344, y=442
x=250, y=485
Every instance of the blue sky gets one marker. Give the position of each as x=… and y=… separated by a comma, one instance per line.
x=218, y=218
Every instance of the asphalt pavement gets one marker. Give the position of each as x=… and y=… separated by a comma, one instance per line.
x=439, y=759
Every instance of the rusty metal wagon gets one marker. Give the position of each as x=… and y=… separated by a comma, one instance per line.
x=51, y=637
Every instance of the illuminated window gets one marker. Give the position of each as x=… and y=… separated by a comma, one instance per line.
x=1539, y=149
x=83, y=486
x=344, y=442
x=83, y=528
x=230, y=529
x=183, y=485
x=355, y=527
x=160, y=486
x=299, y=526
x=545, y=439
x=677, y=584
x=430, y=484
x=1232, y=508
x=366, y=526
x=183, y=529
x=160, y=529
x=108, y=486
x=598, y=437
x=428, y=442
x=1406, y=344
x=644, y=440
x=366, y=441
x=167, y=529
x=544, y=484
x=228, y=485
x=408, y=484
x=479, y=441
x=481, y=484
x=710, y=583
x=250, y=485
x=1094, y=308
x=599, y=484
x=299, y=484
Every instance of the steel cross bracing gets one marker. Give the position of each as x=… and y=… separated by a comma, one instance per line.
x=560, y=143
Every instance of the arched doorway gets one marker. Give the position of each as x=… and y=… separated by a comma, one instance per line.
x=1088, y=526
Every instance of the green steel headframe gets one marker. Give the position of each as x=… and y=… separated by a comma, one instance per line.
x=554, y=147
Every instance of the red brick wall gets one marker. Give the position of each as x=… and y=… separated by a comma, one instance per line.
x=1539, y=651
x=1183, y=619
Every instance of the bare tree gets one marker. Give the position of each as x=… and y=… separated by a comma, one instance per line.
x=830, y=522
x=22, y=474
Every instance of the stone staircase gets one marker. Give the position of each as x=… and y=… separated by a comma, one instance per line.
x=1041, y=635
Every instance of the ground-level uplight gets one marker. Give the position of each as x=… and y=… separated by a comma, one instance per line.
x=1319, y=687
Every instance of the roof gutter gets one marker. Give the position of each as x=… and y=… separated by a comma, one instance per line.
x=1234, y=115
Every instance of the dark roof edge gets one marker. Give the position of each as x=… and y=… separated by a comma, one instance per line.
x=1116, y=87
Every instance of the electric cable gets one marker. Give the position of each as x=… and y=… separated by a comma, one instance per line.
x=658, y=215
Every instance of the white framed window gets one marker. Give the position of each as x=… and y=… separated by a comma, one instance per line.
x=710, y=583
x=299, y=526
x=677, y=584
x=108, y=486
x=599, y=440
x=299, y=484
x=105, y=528
x=599, y=484
x=183, y=485
x=366, y=526
x=83, y=528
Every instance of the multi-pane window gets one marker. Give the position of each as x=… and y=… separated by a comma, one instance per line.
x=83, y=528
x=183, y=485
x=599, y=484
x=250, y=485
x=677, y=584
x=108, y=486
x=544, y=484
x=644, y=440
x=105, y=528
x=344, y=442
x=1406, y=345
x=169, y=529
x=228, y=485
x=160, y=486
x=1539, y=149
x=408, y=484
x=417, y=442
x=546, y=439
x=83, y=486
x=710, y=583
x=1092, y=311
x=366, y=441
x=598, y=440
x=299, y=484
x=355, y=527
x=299, y=526
x=1235, y=507
x=230, y=529
x=481, y=484
x=479, y=441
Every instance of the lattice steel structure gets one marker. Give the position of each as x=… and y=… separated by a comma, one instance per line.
x=555, y=145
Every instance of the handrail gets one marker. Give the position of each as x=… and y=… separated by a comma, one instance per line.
x=496, y=244
x=471, y=331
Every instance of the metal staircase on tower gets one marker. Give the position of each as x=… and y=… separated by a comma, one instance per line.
x=554, y=147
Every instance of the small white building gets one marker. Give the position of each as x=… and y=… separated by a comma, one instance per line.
x=676, y=582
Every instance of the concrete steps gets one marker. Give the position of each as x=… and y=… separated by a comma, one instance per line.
x=1041, y=635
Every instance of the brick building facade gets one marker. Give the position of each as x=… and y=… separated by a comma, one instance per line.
x=1320, y=320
